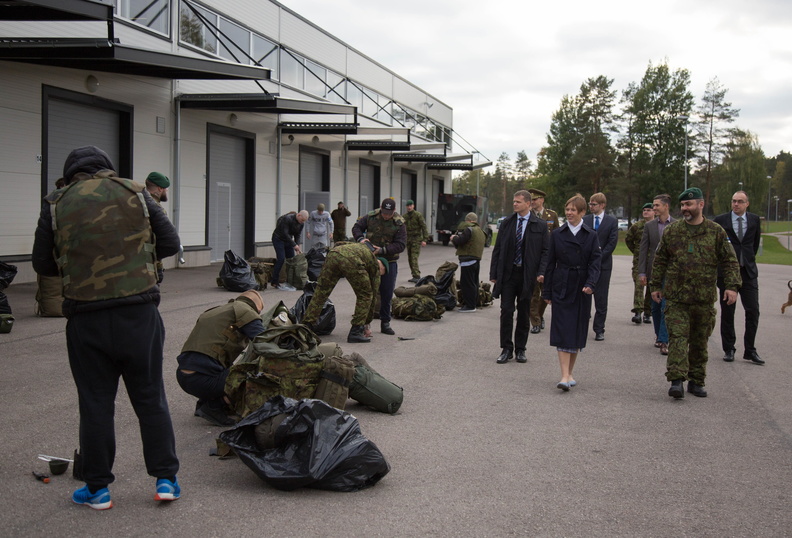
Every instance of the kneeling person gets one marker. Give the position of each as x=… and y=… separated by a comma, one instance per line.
x=219, y=336
x=357, y=263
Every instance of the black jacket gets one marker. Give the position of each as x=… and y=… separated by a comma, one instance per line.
x=288, y=229
x=608, y=235
x=535, y=244
x=747, y=248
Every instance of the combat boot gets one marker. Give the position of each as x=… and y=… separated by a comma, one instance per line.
x=696, y=390
x=357, y=335
x=677, y=390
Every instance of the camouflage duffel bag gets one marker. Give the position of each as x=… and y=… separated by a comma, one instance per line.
x=335, y=379
x=416, y=308
x=262, y=270
x=280, y=361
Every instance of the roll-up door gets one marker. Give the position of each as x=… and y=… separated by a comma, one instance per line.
x=369, y=187
x=314, y=181
x=226, y=195
x=72, y=125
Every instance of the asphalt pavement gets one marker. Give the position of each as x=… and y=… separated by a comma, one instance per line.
x=477, y=449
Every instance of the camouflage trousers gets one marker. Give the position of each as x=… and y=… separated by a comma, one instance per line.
x=538, y=305
x=336, y=267
x=642, y=299
x=413, y=251
x=689, y=327
x=339, y=235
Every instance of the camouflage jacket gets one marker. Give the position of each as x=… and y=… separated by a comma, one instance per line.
x=686, y=264
x=633, y=237
x=416, y=227
x=390, y=235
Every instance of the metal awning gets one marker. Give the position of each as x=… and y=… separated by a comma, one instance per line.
x=378, y=145
x=55, y=10
x=109, y=56
x=318, y=128
x=261, y=102
x=457, y=166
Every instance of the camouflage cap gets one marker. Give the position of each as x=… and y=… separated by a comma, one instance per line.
x=385, y=263
x=647, y=205
x=536, y=193
x=158, y=179
x=693, y=193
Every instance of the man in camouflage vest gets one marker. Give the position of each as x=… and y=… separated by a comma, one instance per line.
x=641, y=297
x=538, y=306
x=357, y=263
x=469, y=242
x=219, y=336
x=684, y=273
x=417, y=234
x=157, y=185
x=103, y=235
x=385, y=230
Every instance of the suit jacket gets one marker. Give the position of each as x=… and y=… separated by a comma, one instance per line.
x=535, y=243
x=747, y=248
x=649, y=241
x=608, y=235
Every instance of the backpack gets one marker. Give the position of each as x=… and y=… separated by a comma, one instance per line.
x=296, y=271
x=262, y=270
x=416, y=308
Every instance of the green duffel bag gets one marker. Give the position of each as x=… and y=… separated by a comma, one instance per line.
x=416, y=308
x=371, y=389
x=6, y=323
x=49, y=297
x=296, y=271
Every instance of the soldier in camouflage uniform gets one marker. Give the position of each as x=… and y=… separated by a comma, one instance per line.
x=385, y=230
x=103, y=235
x=219, y=336
x=357, y=263
x=641, y=296
x=549, y=216
x=339, y=216
x=157, y=185
x=684, y=273
x=417, y=234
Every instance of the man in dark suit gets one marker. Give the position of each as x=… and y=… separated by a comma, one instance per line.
x=653, y=230
x=607, y=228
x=744, y=232
x=517, y=261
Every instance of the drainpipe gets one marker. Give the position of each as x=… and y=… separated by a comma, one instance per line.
x=279, y=171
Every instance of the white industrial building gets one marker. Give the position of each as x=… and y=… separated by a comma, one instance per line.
x=249, y=108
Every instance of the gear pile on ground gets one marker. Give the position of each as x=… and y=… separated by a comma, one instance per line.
x=484, y=294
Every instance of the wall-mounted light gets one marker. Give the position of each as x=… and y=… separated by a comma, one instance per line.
x=315, y=140
x=291, y=140
x=92, y=84
x=233, y=119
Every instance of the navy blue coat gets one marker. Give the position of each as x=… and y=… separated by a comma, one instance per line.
x=573, y=262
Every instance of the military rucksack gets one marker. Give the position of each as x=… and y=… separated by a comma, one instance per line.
x=262, y=270
x=484, y=294
x=416, y=308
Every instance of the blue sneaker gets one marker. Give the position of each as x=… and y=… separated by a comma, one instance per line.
x=167, y=490
x=98, y=501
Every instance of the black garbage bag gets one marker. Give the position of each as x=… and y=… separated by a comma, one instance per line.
x=327, y=317
x=5, y=308
x=7, y=274
x=444, y=296
x=315, y=446
x=316, y=258
x=236, y=274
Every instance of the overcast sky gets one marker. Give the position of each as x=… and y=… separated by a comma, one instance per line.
x=503, y=66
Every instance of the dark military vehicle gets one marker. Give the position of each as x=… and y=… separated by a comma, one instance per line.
x=451, y=212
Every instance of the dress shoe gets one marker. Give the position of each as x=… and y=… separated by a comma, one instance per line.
x=541, y=324
x=520, y=356
x=696, y=390
x=636, y=318
x=357, y=335
x=563, y=386
x=677, y=390
x=663, y=348
x=754, y=357
x=729, y=356
x=647, y=318
x=385, y=328
x=657, y=343
x=505, y=356
x=536, y=329
x=599, y=337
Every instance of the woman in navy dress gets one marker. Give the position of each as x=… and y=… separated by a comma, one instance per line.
x=573, y=268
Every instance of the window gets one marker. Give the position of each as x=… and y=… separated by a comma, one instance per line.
x=265, y=52
x=153, y=14
x=292, y=70
x=194, y=31
x=336, y=91
x=239, y=48
x=315, y=84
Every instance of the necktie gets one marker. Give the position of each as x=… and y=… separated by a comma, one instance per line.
x=519, y=242
x=596, y=222
x=740, y=228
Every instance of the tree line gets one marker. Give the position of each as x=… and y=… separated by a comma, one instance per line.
x=641, y=142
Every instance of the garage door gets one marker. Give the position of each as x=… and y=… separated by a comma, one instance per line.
x=226, y=186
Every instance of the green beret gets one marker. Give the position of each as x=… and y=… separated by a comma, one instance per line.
x=385, y=262
x=647, y=205
x=693, y=193
x=160, y=180
x=409, y=202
